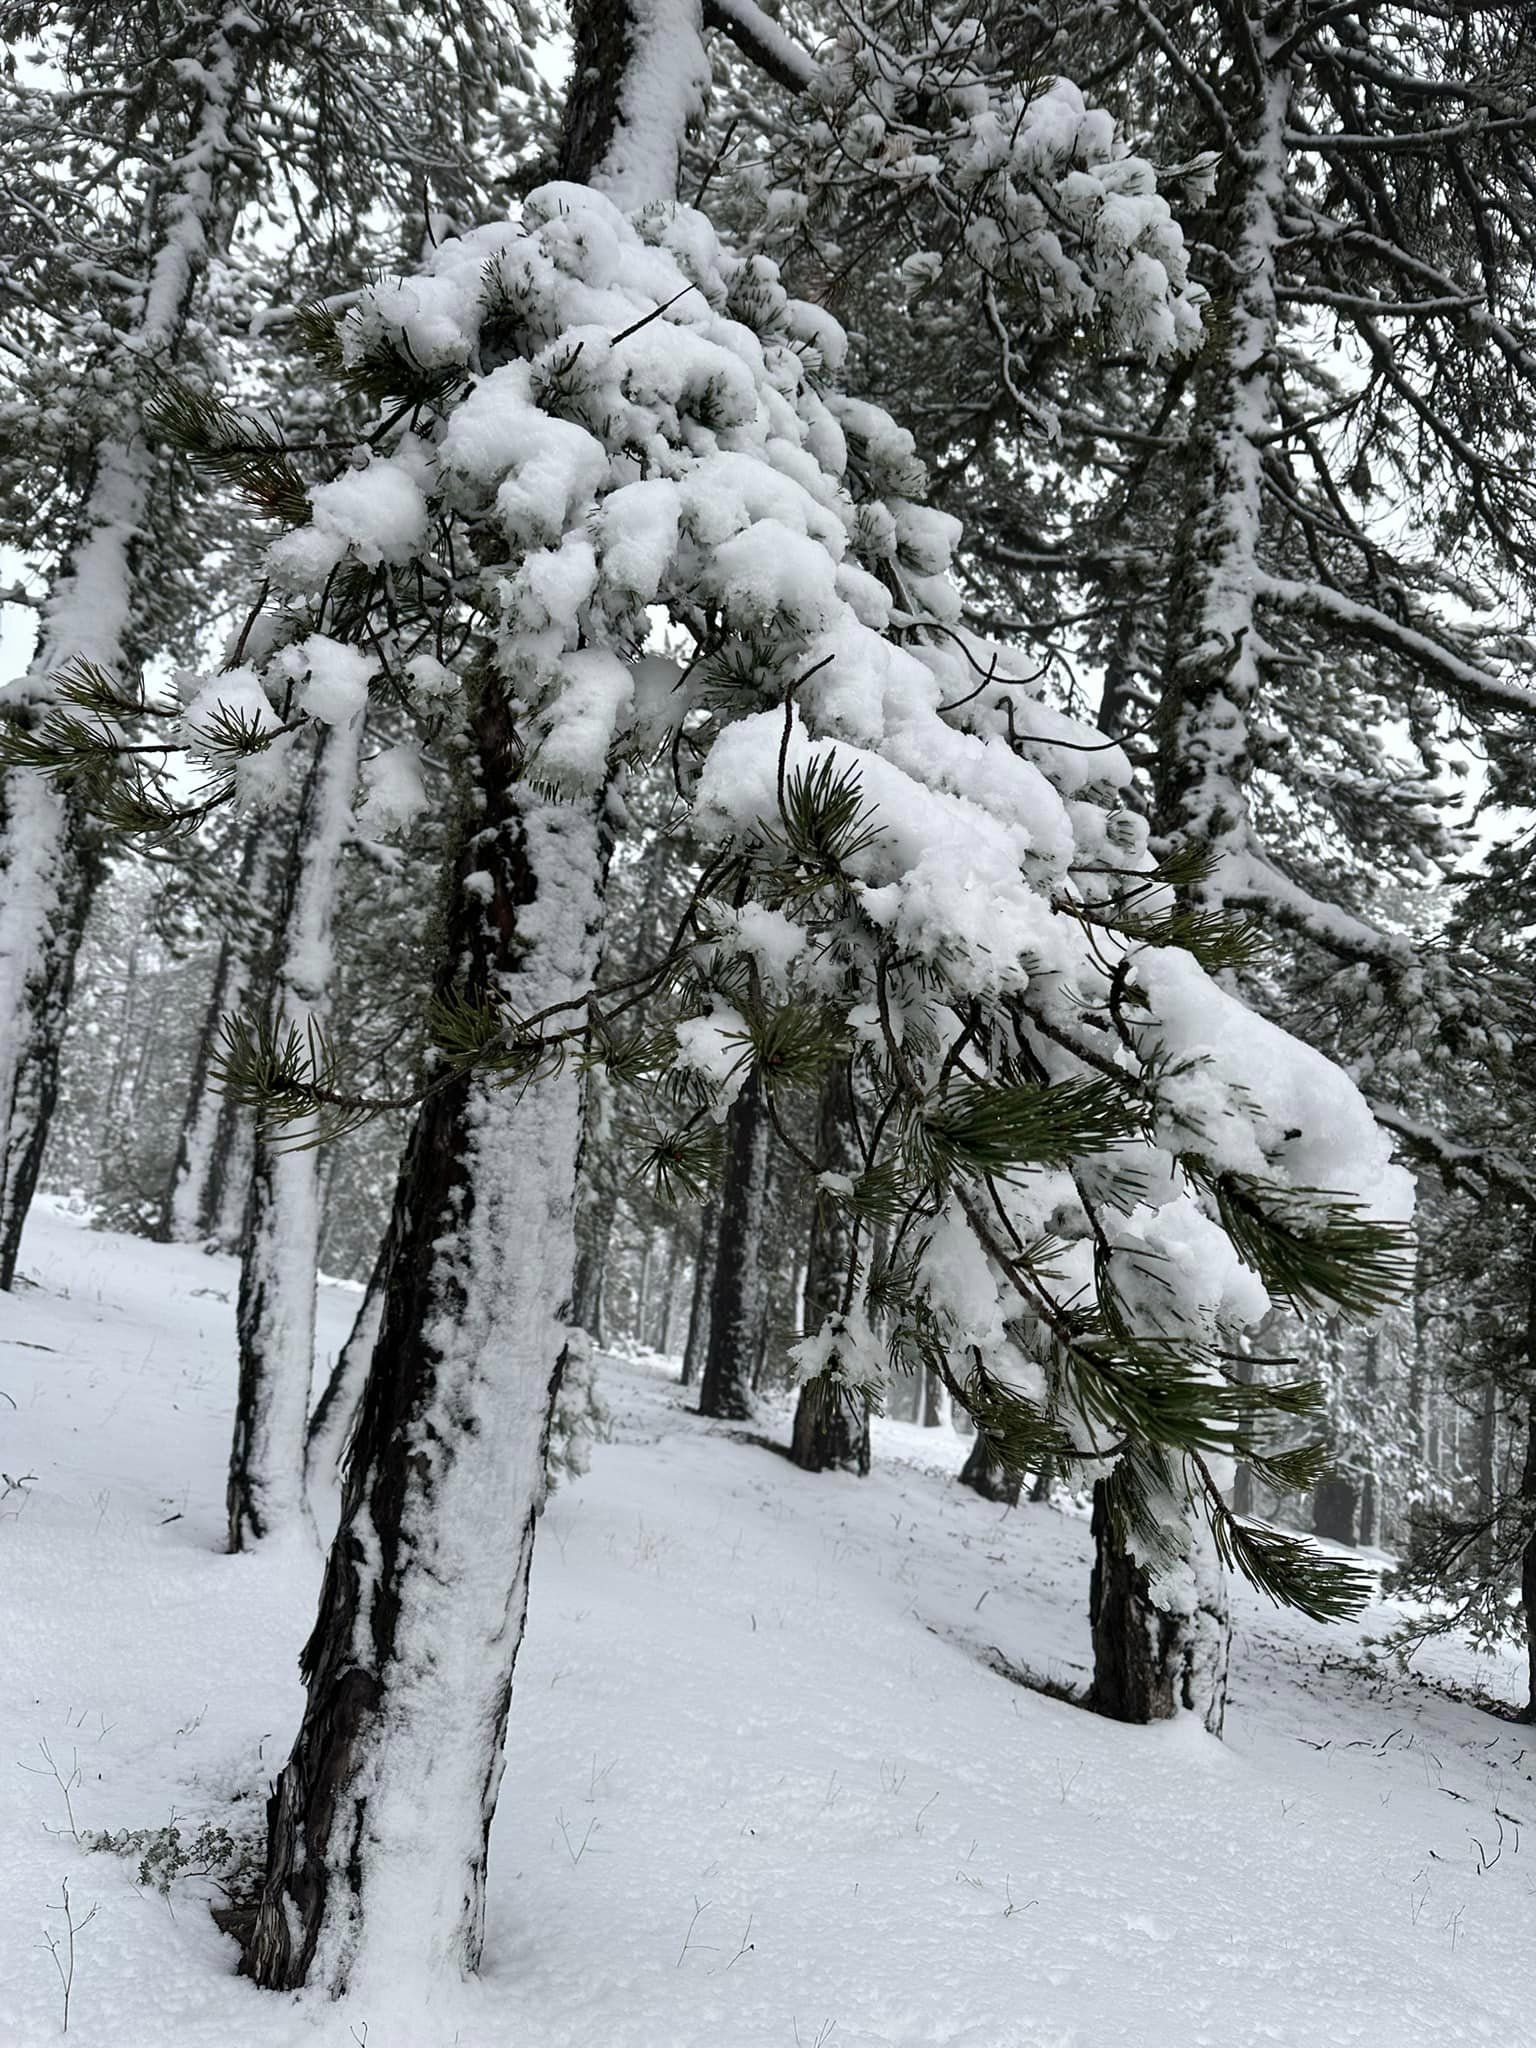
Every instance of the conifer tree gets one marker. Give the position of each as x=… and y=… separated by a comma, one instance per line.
x=1093, y=1167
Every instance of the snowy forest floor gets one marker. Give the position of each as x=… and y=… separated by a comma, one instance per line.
x=768, y=1779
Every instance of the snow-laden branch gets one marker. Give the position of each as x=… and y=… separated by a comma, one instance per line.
x=1433, y=658
x=765, y=43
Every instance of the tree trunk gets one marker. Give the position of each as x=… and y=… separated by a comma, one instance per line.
x=989, y=1478
x=1334, y=1506
x=696, y=1347
x=831, y=1430
x=189, y=1210
x=594, y=1234
x=377, y=1828
x=1150, y=1661
x=49, y=866
x=280, y=1251
x=331, y=1423
x=736, y=1305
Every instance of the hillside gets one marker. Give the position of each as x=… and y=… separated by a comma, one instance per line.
x=769, y=1779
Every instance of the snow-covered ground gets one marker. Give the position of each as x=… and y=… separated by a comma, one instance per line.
x=765, y=1785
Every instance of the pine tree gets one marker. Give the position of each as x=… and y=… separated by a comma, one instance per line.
x=1090, y=1165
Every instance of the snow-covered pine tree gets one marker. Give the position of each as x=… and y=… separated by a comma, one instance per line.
x=1328, y=608
x=1091, y=1160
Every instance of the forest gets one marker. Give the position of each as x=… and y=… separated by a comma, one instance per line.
x=766, y=831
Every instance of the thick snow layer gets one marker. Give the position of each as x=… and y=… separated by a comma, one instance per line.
x=765, y=1782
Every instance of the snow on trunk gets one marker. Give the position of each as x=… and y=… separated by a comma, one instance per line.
x=1155, y=1657
x=831, y=1428
x=280, y=1252
x=48, y=858
x=1213, y=666
x=378, y=1827
x=736, y=1304
x=379, y=1823
x=331, y=1423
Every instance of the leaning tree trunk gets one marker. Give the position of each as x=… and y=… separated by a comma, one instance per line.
x=280, y=1249
x=50, y=857
x=831, y=1432
x=992, y=1479
x=1149, y=1661
x=378, y=1825
x=736, y=1298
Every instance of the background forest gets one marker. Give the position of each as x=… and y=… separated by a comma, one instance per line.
x=838, y=701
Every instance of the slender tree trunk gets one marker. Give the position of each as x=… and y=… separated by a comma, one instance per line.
x=696, y=1347
x=1487, y=1475
x=668, y=1295
x=1151, y=1661
x=831, y=1433
x=189, y=1210
x=280, y=1251
x=736, y=1304
x=989, y=1478
x=1334, y=1508
x=594, y=1235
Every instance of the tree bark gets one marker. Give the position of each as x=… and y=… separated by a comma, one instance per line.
x=1149, y=1662
x=280, y=1250
x=331, y=1422
x=1334, y=1506
x=736, y=1304
x=594, y=1234
x=378, y=1825
x=831, y=1432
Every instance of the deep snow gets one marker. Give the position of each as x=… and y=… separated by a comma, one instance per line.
x=763, y=1785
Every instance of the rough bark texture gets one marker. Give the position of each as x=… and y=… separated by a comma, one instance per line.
x=377, y=1828
x=1148, y=1664
x=831, y=1434
x=736, y=1304
x=989, y=1478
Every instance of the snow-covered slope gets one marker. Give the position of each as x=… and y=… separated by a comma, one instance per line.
x=766, y=1783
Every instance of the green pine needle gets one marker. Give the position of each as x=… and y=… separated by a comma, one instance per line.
x=1314, y=1248
x=980, y=1129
